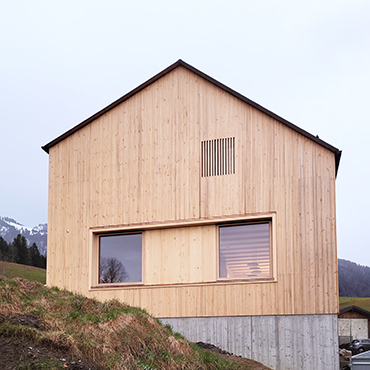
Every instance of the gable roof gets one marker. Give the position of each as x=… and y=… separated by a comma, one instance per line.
x=355, y=309
x=181, y=63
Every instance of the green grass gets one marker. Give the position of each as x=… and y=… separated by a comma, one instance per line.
x=364, y=303
x=12, y=270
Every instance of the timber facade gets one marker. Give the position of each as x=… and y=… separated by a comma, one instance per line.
x=221, y=213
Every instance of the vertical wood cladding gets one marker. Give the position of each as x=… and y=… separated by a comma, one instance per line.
x=141, y=163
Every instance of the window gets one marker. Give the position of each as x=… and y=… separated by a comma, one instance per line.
x=245, y=251
x=120, y=258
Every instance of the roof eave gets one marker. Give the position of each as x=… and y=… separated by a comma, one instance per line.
x=356, y=309
x=111, y=106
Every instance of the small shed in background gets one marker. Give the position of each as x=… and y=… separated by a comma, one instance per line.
x=353, y=323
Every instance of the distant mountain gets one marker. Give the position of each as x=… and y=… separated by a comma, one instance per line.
x=354, y=279
x=9, y=229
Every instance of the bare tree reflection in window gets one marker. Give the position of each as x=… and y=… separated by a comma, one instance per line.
x=112, y=271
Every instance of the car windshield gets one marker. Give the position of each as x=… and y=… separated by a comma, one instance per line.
x=355, y=341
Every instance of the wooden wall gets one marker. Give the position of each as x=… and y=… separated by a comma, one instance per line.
x=139, y=164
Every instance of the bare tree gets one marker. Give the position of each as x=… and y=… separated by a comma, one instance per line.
x=112, y=271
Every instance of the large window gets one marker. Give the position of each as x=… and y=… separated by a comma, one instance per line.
x=245, y=251
x=120, y=258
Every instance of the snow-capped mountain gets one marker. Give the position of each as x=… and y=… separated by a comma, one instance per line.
x=9, y=229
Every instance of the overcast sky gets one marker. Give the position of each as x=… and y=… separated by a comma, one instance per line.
x=307, y=61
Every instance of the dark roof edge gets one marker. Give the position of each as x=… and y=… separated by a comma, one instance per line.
x=180, y=62
x=355, y=308
x=110, y=106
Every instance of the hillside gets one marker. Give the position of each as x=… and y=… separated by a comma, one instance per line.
x=12, y=270
x=42, y=328
x=355, y=301
x=354, y=279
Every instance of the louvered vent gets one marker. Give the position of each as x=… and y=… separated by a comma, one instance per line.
x=218, y=157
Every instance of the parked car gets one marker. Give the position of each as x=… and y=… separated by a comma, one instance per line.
x=344, y=345
x=359, y=345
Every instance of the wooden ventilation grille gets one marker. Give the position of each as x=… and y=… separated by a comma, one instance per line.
x=218, y=157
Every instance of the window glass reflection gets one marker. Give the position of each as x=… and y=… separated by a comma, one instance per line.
x=120, y=259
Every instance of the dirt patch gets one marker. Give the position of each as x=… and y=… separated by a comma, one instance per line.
x=28, y=320
x=15, y=352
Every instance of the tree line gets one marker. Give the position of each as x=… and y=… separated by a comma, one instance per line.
x=19, y=252
x=354, y=279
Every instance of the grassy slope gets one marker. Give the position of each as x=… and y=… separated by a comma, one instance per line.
x=112, y=335
x=12, y=270
x=355, y=301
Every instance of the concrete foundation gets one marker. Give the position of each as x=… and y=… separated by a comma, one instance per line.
x=279, y=342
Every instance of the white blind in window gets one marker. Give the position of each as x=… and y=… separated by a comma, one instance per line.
x=245, y=251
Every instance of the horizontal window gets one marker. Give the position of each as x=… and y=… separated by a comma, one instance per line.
x=216, y=251
x=245, y=251
x=120, y=258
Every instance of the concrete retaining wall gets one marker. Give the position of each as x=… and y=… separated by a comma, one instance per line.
x=279, y=342
x=353, y=328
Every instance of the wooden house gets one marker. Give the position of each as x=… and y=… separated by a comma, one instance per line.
x=211, y=212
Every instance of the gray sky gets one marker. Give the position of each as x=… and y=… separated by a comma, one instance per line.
x=307, y=61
